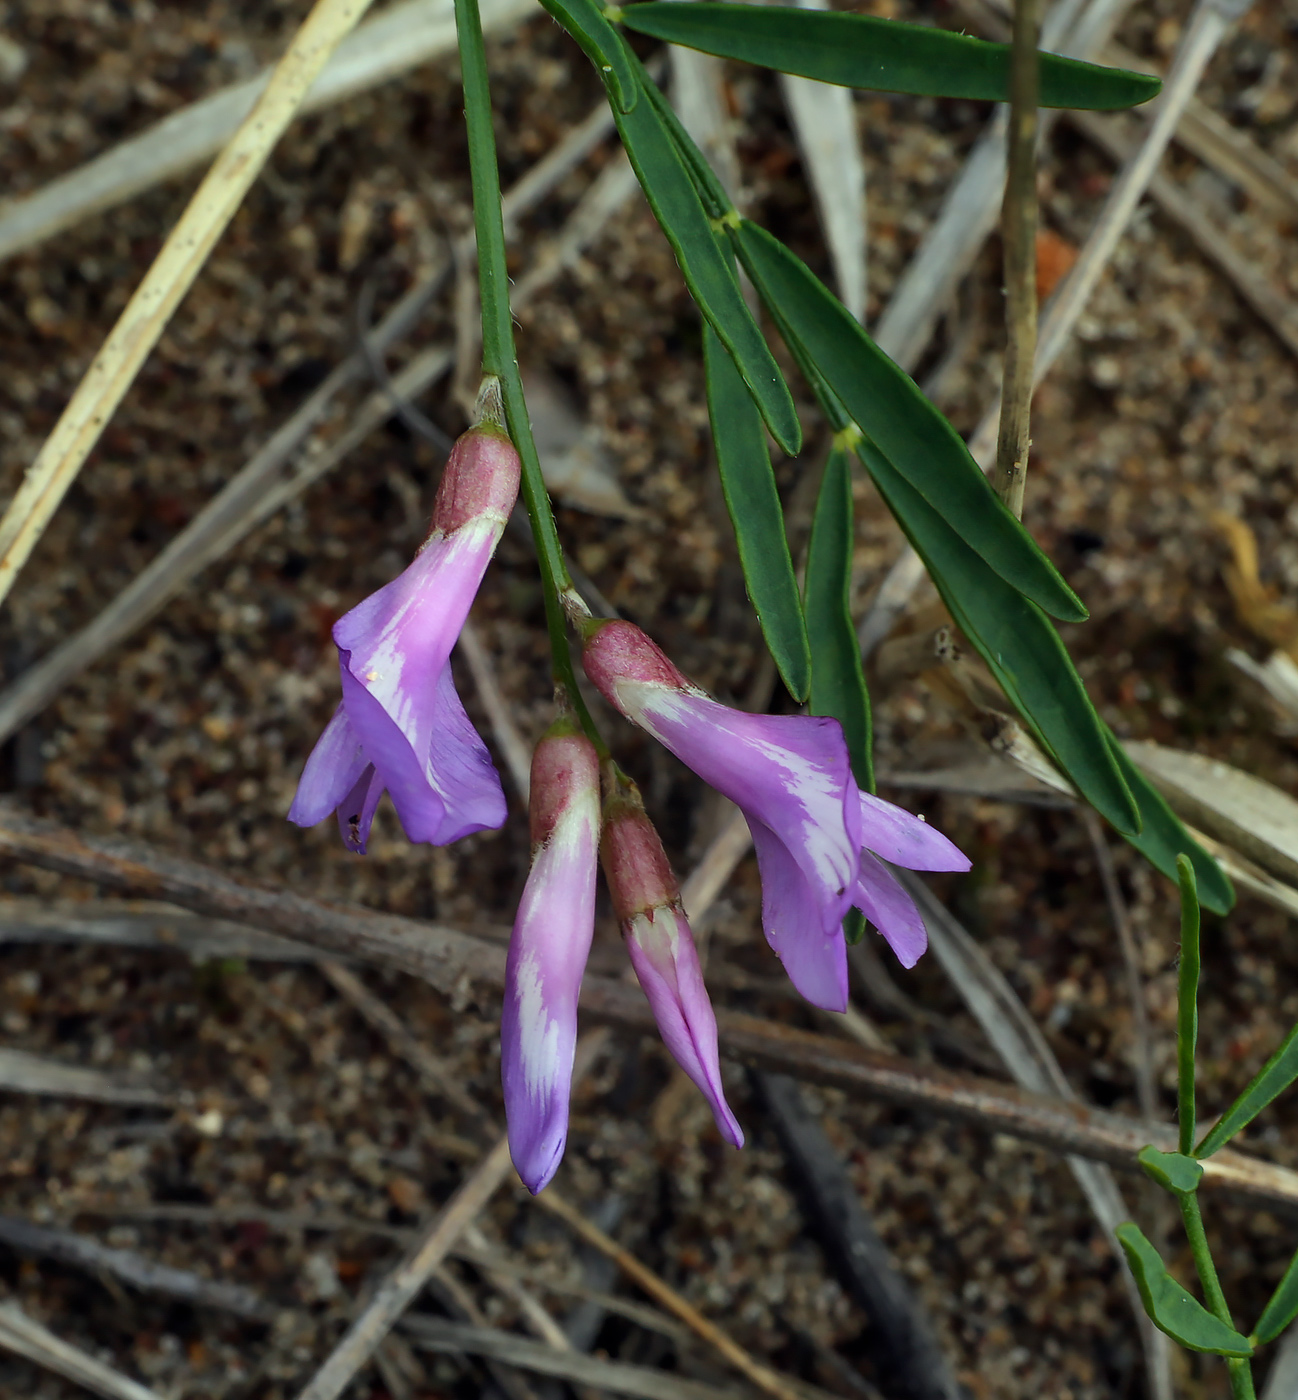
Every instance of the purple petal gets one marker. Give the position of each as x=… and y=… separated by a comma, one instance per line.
x=396, y=642
x=789, y=773
x=433, y=806
x=891, y=910
x=662, y=951
x=331, y=771
x=903, y=839
x=356, y=811
x=547, y=956
x=801, y=924
x=459, y=767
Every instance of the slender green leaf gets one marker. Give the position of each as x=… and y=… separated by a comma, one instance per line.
x=1271, y=1080
x=712, y=193
x=1172, y=1170
x=754, y=505
x=891, y=411
x=1170, y=1307
x=712, y=282
x=1017, y=642
x=837, y=680
x=1162, y=837
x=1187, y=1003
x=602, y=44
x=1282, y=1308
x=864, y=52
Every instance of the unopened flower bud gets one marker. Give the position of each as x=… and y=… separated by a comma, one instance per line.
x=660, y=944
x=548, y=950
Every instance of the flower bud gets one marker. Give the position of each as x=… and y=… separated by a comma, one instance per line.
x=548, y=950
x=660, y=944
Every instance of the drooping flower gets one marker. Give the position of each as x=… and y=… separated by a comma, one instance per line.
x=548, y=950
x=400, y=725
x=660, y=943
x=821, y=842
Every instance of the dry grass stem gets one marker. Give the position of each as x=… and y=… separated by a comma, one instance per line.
x=616, y=1377
x=21, y=1072
x=1209, y=25
x=404, y=1284
x=25, y=1336
x=1019, y=1042
x=144, y=1274
x=1142, y=1052
x=1019, y=244
x=179, y=262
x=282, y=469
x=402, y=37
x=453, y=961
x=667, y=1298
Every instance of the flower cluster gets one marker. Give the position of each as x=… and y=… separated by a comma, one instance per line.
x=822, y=844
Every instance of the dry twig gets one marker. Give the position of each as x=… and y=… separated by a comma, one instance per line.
x=1142, y=1054
x=173, y=271
x=1019, y=241
x=281, y=470
x=21, y=1072
x=614, y=1376
x=389, y=44
x=667, y=1297
x=25, y=1336
x=1018, y=1040
x=909, y=1354
x=82, y=1253
x=453, y=962
x=404, y=1284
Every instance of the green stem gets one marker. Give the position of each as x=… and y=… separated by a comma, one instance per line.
x=1241, y=1373
x=1187, y=1005
x=499, y=357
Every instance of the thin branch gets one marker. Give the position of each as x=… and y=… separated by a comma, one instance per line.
x=82, y=1253
x=1019, y=244
x=435, y=1334
x=1209, y=24
x=435, y=1073
x=1018, y=1040
x=280, y=471
x=25, y=1336
x=179, y=262
x=404, y=1284
x=666, y=1297
x=401, y=38
x=901, y=1332
x=482, y=1255
x=21, y=1072
x=454, y=962
x=1142, y=1043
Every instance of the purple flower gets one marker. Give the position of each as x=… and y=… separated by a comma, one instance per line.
x=401, y=726
x=661, y=945
x=819, y=839
x=547, y=952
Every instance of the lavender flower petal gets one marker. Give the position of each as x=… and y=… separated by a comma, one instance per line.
x=547, y=956
x=790, y=773
x=331, y=771
x=801, y=924
x=891, y=910
x=397, y=641
x=666, y=962
x=905, y=840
